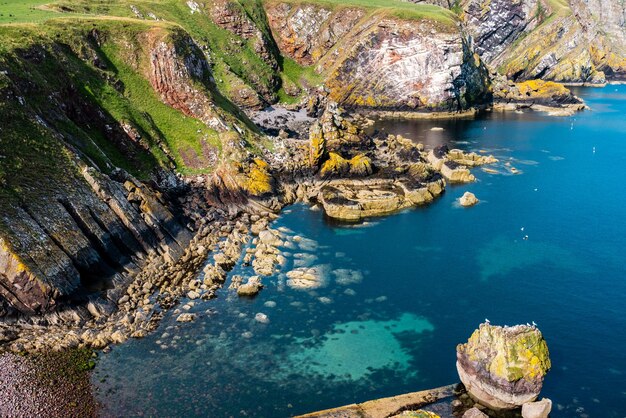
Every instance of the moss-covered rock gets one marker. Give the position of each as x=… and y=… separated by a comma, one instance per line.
x=504, y=367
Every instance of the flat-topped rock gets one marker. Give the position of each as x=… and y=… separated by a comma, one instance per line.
x=504, y=367
x=352, y=200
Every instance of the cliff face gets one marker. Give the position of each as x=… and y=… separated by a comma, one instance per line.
x=496, y=24
x=574, y=42
x=381, y=62
x=73, y=224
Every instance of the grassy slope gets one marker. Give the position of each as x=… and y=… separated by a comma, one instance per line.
x=23, y=23
x=396, y=8
x=22, y=11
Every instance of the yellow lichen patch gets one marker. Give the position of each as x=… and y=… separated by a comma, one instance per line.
x=509, y=353
x=360, y=165
x=421, y=414
x=335, y=164
x=541, y=88
x=258, y=180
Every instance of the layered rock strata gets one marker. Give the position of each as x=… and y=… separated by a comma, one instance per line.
x=380, y=62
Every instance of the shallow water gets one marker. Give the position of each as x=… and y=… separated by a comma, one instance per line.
x=400, y=292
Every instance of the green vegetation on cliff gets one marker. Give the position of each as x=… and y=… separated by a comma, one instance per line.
x=395, y=8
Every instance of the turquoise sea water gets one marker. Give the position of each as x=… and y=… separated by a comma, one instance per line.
x=401, y=292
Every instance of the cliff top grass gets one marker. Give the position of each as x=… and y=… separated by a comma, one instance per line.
x=24, y=11
x=395, y=8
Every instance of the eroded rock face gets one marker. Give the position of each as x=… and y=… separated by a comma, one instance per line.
x=504, y=367
x=306, y=32
x=231, y=16
x=382, y=62
x=173, y=72
x=86, y=241
x=496, y=24
x=412, y=66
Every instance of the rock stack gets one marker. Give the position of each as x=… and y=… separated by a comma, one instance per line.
x=503, y=367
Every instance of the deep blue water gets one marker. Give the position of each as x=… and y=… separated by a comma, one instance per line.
x=419, y=282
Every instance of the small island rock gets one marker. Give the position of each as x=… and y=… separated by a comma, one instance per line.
x=468, y=199
x=503, y=367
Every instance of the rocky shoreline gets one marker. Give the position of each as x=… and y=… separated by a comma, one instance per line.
x=349, y=174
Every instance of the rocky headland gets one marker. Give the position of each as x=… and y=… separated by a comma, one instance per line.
x=144, y=170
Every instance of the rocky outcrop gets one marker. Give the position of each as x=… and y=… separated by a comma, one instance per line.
x=174, y=67
x=504, y=367
x=535, y=94
x=337, y=166
x=251, y=288
x=353, y=200
x=468, y=199
x=334, y=131
x=453, y=164
x=307, y=32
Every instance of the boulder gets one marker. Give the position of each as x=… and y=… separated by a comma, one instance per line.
x=475, y=413
x=503, y=367
x=251, y=288
x=270, y=238
x=468, y=199
x=540, y=409
x=186, y=317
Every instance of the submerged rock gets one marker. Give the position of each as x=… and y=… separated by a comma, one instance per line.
x=186, y=317
x=262, y=318
x=307, y=278
x=504, y=367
